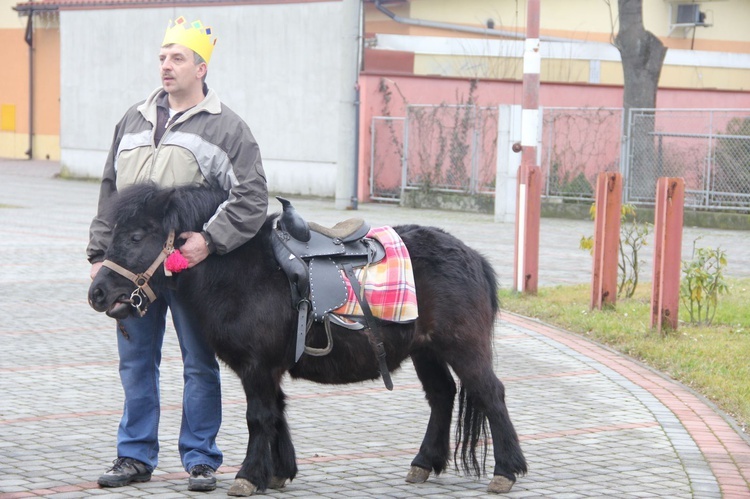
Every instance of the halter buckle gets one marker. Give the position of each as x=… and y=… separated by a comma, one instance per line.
x=138, y=300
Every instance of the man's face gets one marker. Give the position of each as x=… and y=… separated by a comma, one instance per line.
x=179, y=73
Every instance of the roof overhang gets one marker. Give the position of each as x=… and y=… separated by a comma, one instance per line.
x=27, y=8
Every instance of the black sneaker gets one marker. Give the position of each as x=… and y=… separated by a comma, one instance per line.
x=124, y=471
x=202, y=478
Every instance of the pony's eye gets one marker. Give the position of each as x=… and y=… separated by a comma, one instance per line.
x=136, y=238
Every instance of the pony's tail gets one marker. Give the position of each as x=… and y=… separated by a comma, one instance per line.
x=471, y=428
x=491, y=279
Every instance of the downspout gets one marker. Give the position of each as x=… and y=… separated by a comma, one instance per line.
x=458, y=27
x=355, y=195
x=348, y=78
x=29, y=37
x=357, y=105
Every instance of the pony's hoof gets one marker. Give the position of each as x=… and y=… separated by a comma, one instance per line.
x=500, y=485
x=417, y=475
x=242, y=488
x=277, y=483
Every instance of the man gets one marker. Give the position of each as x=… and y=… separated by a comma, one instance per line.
x=182, y=134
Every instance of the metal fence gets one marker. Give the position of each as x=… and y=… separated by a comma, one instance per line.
x=451, y=148
x=709, y=148
x=448, y=148
x=454, y=148
x=386, y=158
x=577, y=144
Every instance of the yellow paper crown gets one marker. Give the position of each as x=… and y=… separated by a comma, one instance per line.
x=193, y=35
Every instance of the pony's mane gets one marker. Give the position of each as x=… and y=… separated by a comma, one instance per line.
x=177, y=208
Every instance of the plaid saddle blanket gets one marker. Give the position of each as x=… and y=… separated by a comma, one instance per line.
x=388, y=285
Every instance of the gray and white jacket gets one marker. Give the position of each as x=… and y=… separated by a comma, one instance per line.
x=208, y=144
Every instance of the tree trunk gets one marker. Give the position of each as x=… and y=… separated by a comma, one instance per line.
x=642, y=56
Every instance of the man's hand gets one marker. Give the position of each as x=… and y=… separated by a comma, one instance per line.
x=195, y=249
x=95, y=269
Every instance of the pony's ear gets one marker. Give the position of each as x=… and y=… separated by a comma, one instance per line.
x=111, y=211
x=167, y=197
x=168, y=206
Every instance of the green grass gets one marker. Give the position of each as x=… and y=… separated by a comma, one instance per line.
x=713, y=360
x=66, y=174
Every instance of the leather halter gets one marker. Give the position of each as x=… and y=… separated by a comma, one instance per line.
x=143, y=291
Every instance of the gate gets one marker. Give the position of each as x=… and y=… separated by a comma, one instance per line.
x=386, y=158
x=447, y=148
x=578, y=144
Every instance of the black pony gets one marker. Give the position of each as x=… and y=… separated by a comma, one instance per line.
x=242, y=302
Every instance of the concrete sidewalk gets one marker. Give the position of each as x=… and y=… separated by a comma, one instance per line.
x=593, y=423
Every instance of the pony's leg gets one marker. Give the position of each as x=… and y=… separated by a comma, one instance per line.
x=440, y=391
x=484, y=392
x=261, y=391
x=282, y=451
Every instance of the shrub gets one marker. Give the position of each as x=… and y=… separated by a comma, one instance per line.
x=702, y=283
x=633, y=236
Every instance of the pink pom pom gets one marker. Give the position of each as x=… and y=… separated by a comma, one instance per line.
x=176, y=262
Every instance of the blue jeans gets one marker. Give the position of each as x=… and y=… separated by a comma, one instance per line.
x=140, y=356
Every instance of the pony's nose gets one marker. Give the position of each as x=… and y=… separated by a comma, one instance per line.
x=96, y=296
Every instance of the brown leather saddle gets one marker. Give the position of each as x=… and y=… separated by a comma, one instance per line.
x=312, y=257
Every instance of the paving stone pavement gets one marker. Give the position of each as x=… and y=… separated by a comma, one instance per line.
x=592, y=423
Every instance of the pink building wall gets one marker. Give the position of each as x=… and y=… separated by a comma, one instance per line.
x=409, y=89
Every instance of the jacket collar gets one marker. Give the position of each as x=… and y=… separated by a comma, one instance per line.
x=210, y=104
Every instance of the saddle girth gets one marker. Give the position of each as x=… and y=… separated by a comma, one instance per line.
x=373, y=325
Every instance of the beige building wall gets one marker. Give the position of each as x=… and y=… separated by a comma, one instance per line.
x=596, y=20
x=717, y=56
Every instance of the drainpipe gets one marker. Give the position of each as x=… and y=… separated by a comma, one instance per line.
x=357, y=105
x=29, y=37
x=458, y=27
x=347, y=163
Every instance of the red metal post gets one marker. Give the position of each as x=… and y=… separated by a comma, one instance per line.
x=606, y=239
x=665, y=290
x=528, y=198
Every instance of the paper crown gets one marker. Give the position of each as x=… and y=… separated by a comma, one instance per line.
x=193, y=35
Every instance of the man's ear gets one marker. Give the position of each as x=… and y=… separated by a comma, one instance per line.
x=202, y=70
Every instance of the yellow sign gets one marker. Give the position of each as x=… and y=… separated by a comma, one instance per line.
x=7, y=117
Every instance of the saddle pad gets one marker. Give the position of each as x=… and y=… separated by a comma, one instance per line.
x=389, y=285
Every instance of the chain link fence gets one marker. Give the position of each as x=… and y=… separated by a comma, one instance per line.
x=577, y=144
x=445, y=148
x=386, y=158
x=709, y=148
x=454, y=148
x=451, y=148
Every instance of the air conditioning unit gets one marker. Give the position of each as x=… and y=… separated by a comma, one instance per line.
x=687, y=16
x=688, y=13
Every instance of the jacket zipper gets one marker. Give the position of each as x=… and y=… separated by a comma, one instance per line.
x=161, y=142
